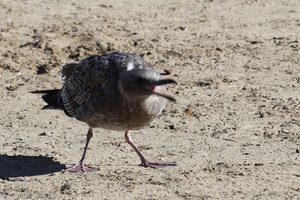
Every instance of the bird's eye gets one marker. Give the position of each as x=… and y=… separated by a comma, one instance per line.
x=139, y=80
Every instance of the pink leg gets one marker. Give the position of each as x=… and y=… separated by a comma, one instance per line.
x=80, y=166
x=144, y=161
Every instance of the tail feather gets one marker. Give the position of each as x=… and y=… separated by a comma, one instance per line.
x=51, y=97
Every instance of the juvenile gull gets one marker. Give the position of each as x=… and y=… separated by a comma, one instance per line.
x=117, y=91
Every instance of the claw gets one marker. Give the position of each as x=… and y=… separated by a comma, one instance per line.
x=81, y=167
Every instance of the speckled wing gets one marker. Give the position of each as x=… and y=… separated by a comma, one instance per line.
x=82, y=81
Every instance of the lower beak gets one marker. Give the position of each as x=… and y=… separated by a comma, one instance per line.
x=155, y=88
x=165, y=96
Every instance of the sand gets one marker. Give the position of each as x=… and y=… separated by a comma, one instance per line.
x=234, y=130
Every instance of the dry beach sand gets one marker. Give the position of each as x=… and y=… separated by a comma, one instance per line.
x=234, y=131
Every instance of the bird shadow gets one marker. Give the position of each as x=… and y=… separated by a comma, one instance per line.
x=20, y=165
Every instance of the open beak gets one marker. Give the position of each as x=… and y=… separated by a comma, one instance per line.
x=157, y=90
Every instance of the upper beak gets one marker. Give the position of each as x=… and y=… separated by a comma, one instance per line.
x=156, y=91
x=165, y=82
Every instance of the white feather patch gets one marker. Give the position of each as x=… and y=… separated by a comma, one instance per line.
x=130, y=66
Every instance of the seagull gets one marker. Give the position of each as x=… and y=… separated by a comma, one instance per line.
x=117, y=91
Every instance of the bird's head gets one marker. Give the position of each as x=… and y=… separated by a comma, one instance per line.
x=139, y=84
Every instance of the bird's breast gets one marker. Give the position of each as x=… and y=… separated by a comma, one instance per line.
x=126, y=116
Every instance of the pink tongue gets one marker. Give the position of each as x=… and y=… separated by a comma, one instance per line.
x=153, y=87
x=157, y=90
